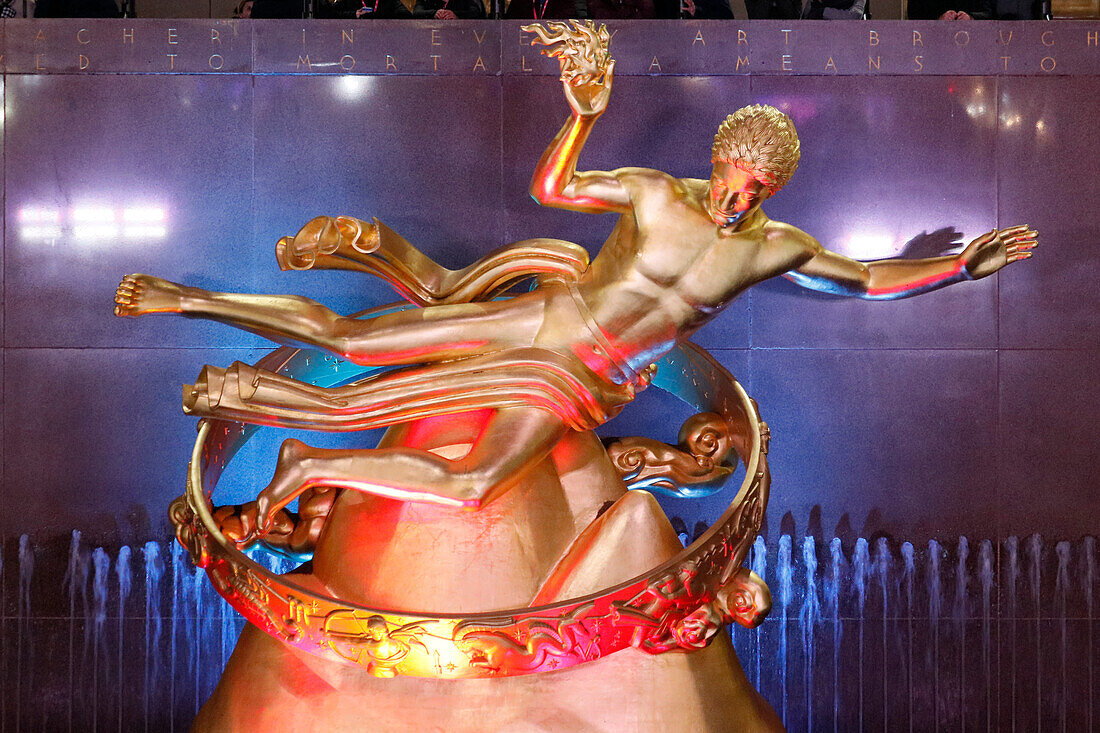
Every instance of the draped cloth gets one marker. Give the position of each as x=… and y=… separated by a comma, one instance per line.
x=554, y=379
x=508, y=378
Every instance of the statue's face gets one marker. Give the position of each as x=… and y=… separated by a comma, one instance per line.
x=733, y=194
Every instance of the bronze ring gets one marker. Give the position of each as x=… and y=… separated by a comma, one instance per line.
x=668, y=608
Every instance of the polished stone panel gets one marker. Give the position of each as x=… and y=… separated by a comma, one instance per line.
x=1038, y=49
x=3, y=210
x=903, y=441
x=900, y=167
x=1048, y=158
x=107, y=175
x=1049, y=406
x=809, y=47
x=95, y=46
x=469, y=48
x=371, y=147
x=691, y=47
x=675, y=137
x=95, y=439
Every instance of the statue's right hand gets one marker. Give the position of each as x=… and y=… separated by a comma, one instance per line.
x=583, y=55
x=589, y=99
x=137, y=295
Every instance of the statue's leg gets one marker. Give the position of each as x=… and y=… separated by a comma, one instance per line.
x=444, y=332
x=630, y=538
x=514, y=440
x=435, y=333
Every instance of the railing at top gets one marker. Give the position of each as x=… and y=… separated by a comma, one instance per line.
x=491, y=48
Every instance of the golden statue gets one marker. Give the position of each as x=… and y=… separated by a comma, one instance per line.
x=491, y=412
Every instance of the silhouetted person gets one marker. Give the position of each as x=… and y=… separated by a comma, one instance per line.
x=540, y=9
x=620, y=9
x=951, y=9
x=277, y=9
x=835, y=10
x=382, y=9
x=773, y=9
x=448, y=9
x=1021, y=9
x=76, y=9
x=693, y=9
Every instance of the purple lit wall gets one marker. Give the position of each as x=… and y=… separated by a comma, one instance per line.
x=970, y=412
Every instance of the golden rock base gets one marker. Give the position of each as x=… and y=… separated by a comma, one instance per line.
x=528, y=546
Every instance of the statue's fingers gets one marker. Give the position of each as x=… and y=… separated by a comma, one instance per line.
x=985, y=238
x=541, y=37
x=1012, y=230
x=268, y=505
x=265, y=508
x=609, y=73
x=1021, y=235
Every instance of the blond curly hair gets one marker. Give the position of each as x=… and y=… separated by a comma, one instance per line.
x=761, y=140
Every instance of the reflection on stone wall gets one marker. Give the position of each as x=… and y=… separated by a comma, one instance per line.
x=876, y=635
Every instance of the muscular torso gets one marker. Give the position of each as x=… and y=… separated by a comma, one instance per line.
x=667, y=268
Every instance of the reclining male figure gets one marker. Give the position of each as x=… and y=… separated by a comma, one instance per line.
x=682, y=250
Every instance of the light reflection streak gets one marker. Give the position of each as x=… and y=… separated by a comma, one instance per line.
x=50, y=216
x=870, y=246
x=353, y=87
x=40, y=232
x=91, y=222
x=95, y=231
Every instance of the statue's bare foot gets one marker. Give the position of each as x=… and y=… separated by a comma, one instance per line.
x=140, y=294
x=286, y=484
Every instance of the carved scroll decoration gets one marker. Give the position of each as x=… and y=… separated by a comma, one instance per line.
x=696, y=466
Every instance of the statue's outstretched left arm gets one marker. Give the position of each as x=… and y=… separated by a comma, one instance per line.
x=892, y=279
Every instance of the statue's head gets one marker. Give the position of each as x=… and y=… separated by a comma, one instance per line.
x=755, y=153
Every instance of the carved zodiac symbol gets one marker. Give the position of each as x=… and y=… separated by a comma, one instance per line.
x=370, y=642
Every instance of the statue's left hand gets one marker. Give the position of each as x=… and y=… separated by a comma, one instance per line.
x=993, y=250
